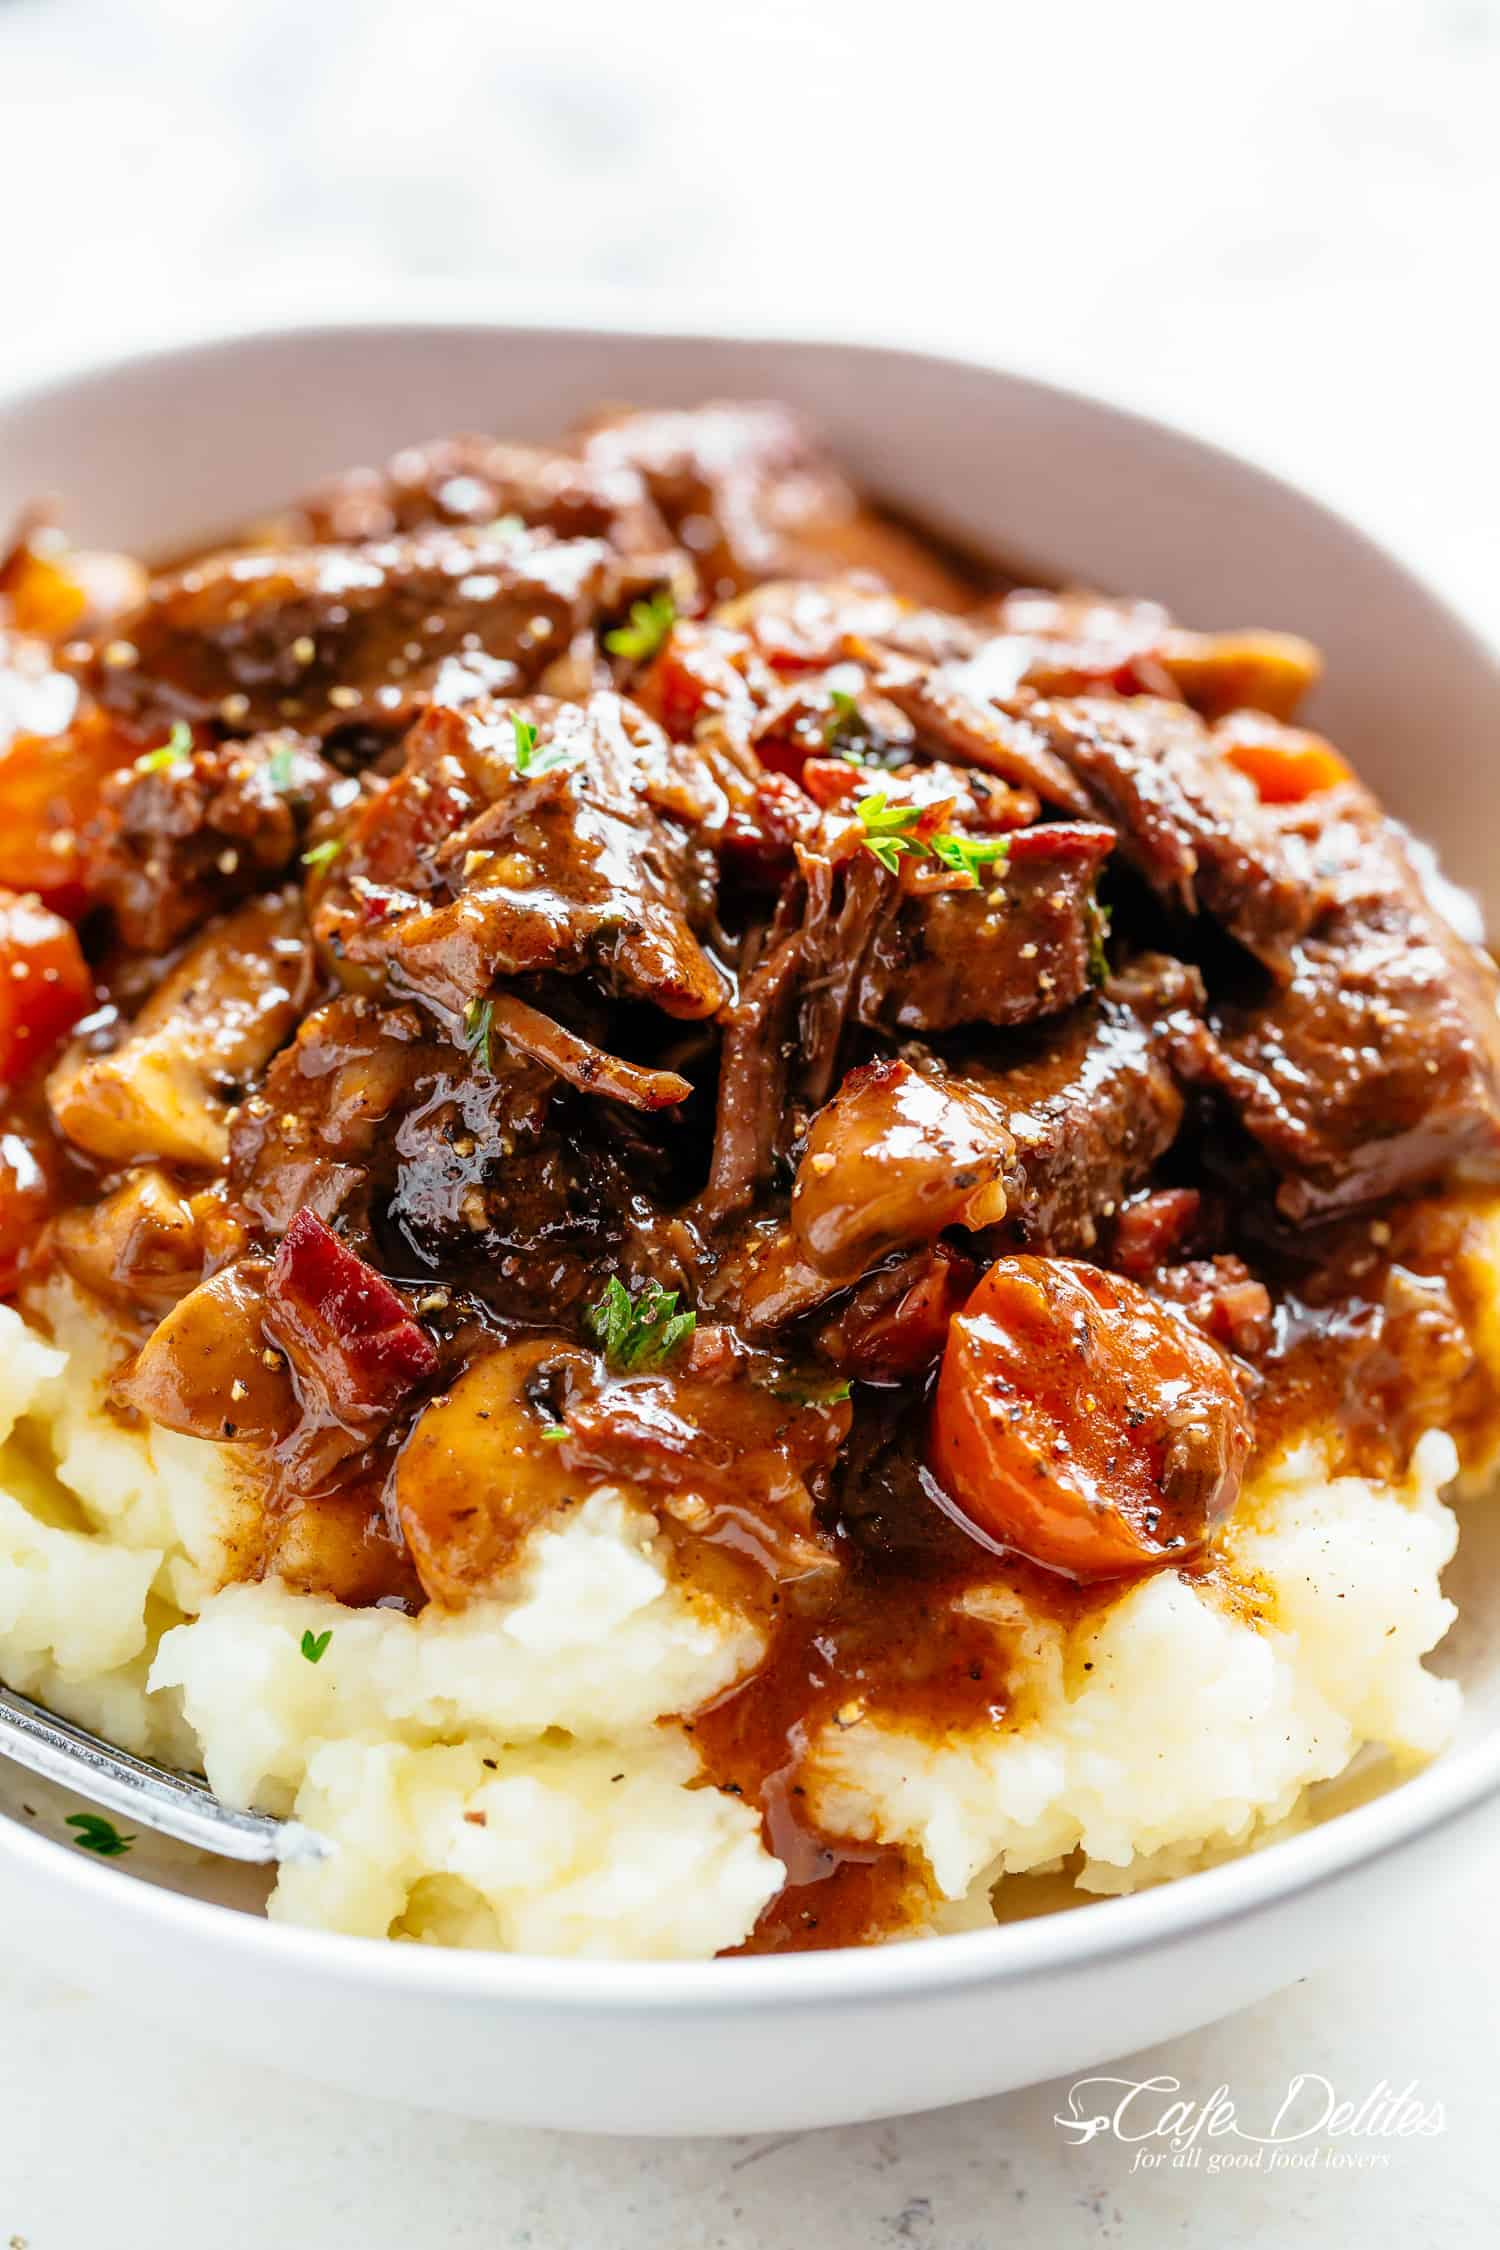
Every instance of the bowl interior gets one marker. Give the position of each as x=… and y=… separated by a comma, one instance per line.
x=164, y=451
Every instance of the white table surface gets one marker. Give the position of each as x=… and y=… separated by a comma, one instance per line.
x=1278, y=224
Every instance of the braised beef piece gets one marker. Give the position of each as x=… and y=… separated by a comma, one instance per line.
x=1187, y=820
x=732, y=1442
x=886, y=1500
x=961, y=725
x=848, y=947
x=747, y=491
x=1082, y=643
x=313, y=1136
x=799, y=625
x=1222, y=1297
x=1092, y=1104
x=1376, y=1068
x=1023, y=945
x=431, y=1165
x=527, y=837
x=895, y=1323
x=332, y=636
x=177, y=838
x=476, y=480
x=498, y=1184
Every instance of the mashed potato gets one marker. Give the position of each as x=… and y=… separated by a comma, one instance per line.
x=513, y=1775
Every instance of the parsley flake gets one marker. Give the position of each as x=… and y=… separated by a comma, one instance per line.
x=889, y=830
x=1098, y=931
x=281, y=768
x=175, y=751
x=321, y=854
x=96, y=1834
x=812, y=1394
x=478, y=1023
x=313, y=1644
x=967, y=854
x=553, y=1432
x=845, y=728
x=890, y=834
x=531, y=761
x=638, y=1333
x=650, y=622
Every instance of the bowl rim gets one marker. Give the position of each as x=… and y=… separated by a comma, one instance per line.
x=1412, y=1810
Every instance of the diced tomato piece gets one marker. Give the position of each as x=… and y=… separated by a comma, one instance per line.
x=45, y=985
x=1286, y=764
x=49, y=786
x=833, y=781
x=25, y=1204
x=341, y=1324
x=698, y=668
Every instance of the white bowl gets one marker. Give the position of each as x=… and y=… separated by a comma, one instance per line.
x=157, y=451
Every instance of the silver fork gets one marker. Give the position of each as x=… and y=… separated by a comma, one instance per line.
x=159, y=1797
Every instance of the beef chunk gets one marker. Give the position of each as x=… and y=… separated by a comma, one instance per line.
x=1376, y=1069
x=1081, y=643
x=728, y=1438
x=174, y=841
x=1019, y=947
x=495, y=1183
x=1091, y=1107
x=475, y=480
x=465, y=869
x=961, y=725
x=1223, y=1298
x=745, y=490
x=1187, y=820
x=334, y=636
x=474, y=1173
x=313, y=1136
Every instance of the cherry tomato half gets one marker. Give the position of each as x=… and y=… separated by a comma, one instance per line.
x=1081, y=1423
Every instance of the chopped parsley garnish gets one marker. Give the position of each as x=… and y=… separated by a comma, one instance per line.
x=530, y=760
x=175, y=751
x=891, y=833
x=848, y=731
x=553, y=1431
x=321, y=854
x=844, y=721
x=638, y=1333
x=478, y=1021
x=313, y=1644
x=889, y=830
x=1098, y=931
x=281, y=768
x=811, y=1394
x=967, y=854
x=650, y=622
x=96, y=1834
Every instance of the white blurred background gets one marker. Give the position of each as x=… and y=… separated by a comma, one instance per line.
x=1277, y=223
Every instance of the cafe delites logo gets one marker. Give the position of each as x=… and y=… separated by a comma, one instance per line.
x=1308, y=2127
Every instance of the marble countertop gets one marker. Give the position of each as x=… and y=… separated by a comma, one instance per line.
x=1278, y=226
